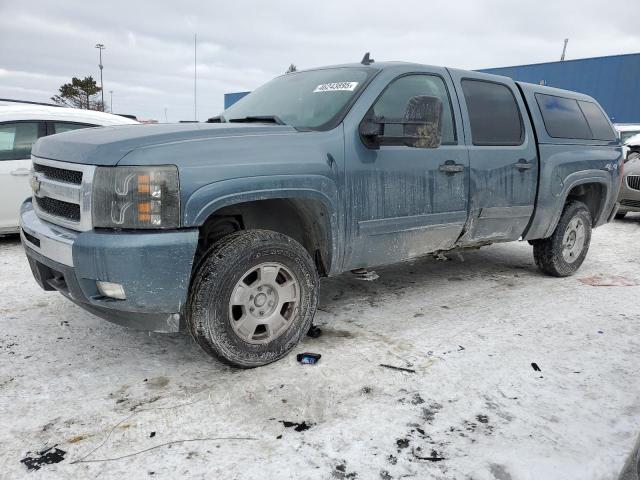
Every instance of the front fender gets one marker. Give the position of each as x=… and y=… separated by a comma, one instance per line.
x=212, y=197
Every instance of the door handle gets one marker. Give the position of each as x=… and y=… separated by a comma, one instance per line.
x=20, y=172
x=451, y=167
x=523, y=165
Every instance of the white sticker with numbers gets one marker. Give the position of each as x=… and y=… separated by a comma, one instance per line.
x=336, y=87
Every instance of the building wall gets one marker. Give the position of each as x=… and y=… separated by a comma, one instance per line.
x=231, y=98
x=613, y=81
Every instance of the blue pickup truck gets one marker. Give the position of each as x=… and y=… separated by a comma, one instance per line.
x=224, y=228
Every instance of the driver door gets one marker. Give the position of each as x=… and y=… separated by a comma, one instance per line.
x=404, y=204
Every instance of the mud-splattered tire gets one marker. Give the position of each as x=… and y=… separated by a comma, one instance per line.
x=562, y=253
x=265, y=271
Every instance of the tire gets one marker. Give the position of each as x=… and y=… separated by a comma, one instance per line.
x=620, y=215
x=265, y=271
x=553, y=255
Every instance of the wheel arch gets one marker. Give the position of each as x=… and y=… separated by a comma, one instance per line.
x=593, y=191
x=307, y=213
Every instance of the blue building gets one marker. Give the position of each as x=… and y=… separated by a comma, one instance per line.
x=613, y=81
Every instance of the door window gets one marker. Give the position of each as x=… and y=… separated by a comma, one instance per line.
x=493, y=113
x=16, y=140
x=60, y=127
x=393, y=103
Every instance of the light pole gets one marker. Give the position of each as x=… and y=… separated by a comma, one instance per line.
x=111, y=101
x=101, y=47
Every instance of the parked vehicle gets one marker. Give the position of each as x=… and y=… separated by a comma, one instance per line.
x=20, y=127
x=629, y=197
x=626, y=131
x=224, y=229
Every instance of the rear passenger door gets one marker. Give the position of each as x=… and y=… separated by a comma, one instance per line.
x=503, y=157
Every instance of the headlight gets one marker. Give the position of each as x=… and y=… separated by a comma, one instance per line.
x=136, y=197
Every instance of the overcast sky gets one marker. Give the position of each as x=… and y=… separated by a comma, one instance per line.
x=149, y=62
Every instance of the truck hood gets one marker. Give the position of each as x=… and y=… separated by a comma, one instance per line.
x=108, y=145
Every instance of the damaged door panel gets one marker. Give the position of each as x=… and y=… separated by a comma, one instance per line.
x=503, y=159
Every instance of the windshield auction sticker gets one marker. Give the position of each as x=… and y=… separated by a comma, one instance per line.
x=336, y=87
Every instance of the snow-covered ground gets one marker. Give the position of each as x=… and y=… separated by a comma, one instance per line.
x=127, y=404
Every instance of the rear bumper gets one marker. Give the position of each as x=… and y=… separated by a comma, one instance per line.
x=154, y=269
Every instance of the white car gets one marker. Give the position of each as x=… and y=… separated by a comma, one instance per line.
x=626, y=131
x=20, y=126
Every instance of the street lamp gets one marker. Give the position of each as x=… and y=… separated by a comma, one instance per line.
x=101, y=47
x=111, y=102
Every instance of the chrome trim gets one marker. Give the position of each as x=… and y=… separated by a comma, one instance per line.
x=636, y=181
x=67, y=192
x=56, y=242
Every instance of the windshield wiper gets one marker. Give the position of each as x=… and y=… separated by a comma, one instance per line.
x=258, y=119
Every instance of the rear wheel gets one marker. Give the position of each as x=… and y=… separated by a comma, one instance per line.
x=253, y=298
x=563, y=252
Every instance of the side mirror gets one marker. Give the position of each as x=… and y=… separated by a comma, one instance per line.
x=370, y=129
x=422, y=122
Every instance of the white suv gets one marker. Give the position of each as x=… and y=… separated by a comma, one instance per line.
x=20, y=126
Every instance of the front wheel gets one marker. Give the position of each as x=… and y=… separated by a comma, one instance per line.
x=563, y=252
x=253, y=298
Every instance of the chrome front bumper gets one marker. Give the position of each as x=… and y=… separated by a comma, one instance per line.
x=49, y=240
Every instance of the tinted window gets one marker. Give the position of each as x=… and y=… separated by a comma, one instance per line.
x=59, y=127
x=600, y=127
x=563, y=117
x=393, y=103
x=493, y=113
x=16, y=140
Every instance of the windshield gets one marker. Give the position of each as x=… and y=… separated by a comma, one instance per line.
x=313, y=100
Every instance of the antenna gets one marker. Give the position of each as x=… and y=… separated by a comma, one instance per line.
x=367, y=60
x=564, y=49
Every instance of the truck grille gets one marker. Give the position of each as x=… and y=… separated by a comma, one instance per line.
x=633, y=181
x=62, y=192
x=60, y=174
x=59, y=208
x=631, y=203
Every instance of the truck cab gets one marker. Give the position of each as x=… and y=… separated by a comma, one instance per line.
x=223, y=229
